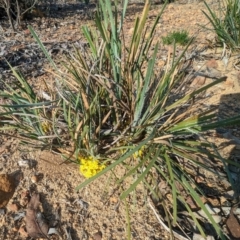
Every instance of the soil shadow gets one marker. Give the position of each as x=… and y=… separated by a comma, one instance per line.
x=230, y=107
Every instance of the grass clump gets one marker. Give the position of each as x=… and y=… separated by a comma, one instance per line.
x=178, y=37
x=226, y=22
x=111, y=107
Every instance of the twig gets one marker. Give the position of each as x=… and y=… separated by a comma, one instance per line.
x=180, y=237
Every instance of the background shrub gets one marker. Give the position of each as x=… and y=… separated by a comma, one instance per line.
x=180, y=37
x=226, y=22
x=16, y=10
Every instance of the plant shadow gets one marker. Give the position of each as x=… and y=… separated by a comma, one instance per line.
x=219, y=184
x=229, y=107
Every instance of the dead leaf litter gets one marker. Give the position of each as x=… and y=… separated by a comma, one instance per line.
x=37, y=194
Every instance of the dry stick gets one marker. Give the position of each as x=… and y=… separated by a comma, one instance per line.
x=7, y=8
x=180, y=237
x=29, y=7
x=116, y=140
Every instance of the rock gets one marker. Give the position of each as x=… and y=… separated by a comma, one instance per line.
x=161, y=63
x=7, y=188
x=213, y=202
x=25, y=197
x=27, y=163
x=191, y=203
x=197, y=236
x=27, y=32
x=2, y=211
x=34, y=178
x=13, y=207
x=212, y=63
x=113, y=200
x=210, y=37
x=23, y=232
x=198, y=81
x=229, y=82
x=210, y=209
x=212, y=212
x=217, y=210
x=217, y=218
x=213, y=73
x=24, y=163
x=97, y=236
x=226, y=210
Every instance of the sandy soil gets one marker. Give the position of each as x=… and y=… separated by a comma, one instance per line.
x=96, y=212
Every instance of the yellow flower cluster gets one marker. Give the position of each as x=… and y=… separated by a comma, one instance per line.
x=46, y=127
x=139, y=153
x=90, y=166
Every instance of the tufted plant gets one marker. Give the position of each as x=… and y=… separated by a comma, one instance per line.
x=119, y=111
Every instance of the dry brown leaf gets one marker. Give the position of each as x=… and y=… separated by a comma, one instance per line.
x=233, y=225
x=191, y=203
x=35, y=223
x=7, y=188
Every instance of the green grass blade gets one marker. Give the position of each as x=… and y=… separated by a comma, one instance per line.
x=42, y=47
x=193, y=217
x=227, y=122
x=91, y=41
x=40, y=104
x=174, y=191
x=144, y=91
x=114, y=164
x=25, y=84
x=139, y=180
x=191, y=95
x=200, y=203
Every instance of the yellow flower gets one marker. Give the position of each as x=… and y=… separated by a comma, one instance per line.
x=46, y=127
x=139, y=153
x=90, y=166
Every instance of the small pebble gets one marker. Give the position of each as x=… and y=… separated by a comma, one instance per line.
x=28, y=163
x=13, y=207
x=226, y=210
x=25, y=194
x=97, y=236
x=23, y=232
x=24, y=163
x=25, y=197
x=113, y=200
x=212, y=63
x=2, y=211
x=14, y=229
x=197, y=236
x=211, y=211
x=198, y=81
x=34, y=178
